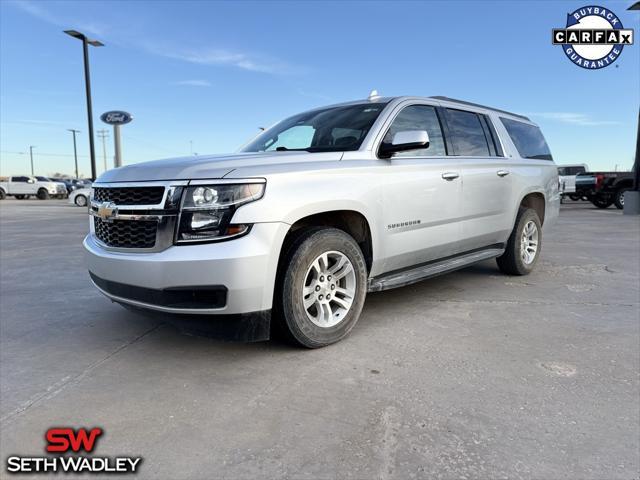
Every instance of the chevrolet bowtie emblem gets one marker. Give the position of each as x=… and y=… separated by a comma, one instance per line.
x=107, y=211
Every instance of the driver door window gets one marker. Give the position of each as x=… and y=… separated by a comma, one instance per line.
x=418, y=117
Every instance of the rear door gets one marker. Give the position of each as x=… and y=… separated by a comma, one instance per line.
x=421, y=206
x=487, y=186
x=19, y=185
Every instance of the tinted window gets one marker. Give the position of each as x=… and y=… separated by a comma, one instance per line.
x=467, y=134
x=42, y=179
x=418, y=117
x=20, y=179
x=528, y=139
x=328, y=130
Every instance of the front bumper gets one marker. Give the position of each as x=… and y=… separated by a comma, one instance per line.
x=244, y=268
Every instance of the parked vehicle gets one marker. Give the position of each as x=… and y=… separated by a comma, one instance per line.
x=567, y=174
x=319, y=210
x=73, y=183
x=604, y=189
x=55, y=188
x=24, y=186
x=80, y=197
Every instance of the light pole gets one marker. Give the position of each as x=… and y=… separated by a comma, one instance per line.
x=104, y=134
x=31, y=147
x=75, y=150
x=87, y=81
x=632, y=197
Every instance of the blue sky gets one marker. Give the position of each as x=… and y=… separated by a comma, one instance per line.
x=205, y=75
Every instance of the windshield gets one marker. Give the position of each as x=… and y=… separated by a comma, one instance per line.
x=326, y=130
x=43, y=179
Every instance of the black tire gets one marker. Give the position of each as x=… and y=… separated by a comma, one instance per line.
x=43, y=194
x=2, y=194
x=511, y=261
x=575, y=197
x=618, y=199
x=290, y=314
x=80, y=200
x=601, y=202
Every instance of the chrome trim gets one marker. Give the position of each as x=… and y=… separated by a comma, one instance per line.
x=119, y=216
x=160, y=308
x=223, y=181
x=169, y=187
x=160, y=183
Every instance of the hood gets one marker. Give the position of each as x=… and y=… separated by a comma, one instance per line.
x=210, y=166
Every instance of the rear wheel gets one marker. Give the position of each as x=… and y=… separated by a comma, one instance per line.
x=619, y=197
x=323, y=287
x=574, y=197
x=2, y=194
x=43, y=194
x=601, y=202
x=524, y=244
x=80, y=200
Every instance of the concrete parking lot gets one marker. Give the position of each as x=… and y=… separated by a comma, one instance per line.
x=470, y=375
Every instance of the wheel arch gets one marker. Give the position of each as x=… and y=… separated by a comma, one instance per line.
x=352, y=222
x=535, y=200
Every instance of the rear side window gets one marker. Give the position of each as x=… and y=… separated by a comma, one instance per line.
x=20, y=179
x=418, y=117
x=528, y=139
x=467, y=134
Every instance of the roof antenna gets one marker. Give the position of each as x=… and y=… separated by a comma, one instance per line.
x=374, y=95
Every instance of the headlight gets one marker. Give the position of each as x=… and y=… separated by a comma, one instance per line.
x=207, y=211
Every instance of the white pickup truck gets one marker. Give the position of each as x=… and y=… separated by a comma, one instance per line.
x=23, y=186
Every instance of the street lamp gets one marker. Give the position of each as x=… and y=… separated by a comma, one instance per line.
x=75, y=150
x=632, y=197
x=85, y=49
x=31, y=147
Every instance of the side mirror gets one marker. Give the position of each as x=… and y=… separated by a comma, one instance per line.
x=31, y=180
x=403, y=141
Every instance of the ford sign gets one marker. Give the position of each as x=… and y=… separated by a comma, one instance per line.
x=116, y=117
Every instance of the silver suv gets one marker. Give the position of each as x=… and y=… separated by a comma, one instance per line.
x=319, y=210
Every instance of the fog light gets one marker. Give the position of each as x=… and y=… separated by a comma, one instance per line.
x=204, y=220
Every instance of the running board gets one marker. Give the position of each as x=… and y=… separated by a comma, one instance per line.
x=412, y=275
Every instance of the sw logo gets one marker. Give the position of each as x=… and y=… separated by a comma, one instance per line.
x=593, y=38
x=65, y=440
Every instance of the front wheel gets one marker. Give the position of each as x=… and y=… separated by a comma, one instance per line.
x=524, y=244
x=43, y=194
x=601, y=202
x=324, y=284
x=80, y=200
x=619, y=198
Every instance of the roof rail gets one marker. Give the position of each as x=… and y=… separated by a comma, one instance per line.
x=440, y=97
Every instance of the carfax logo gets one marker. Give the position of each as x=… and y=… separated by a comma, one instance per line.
x=593, y=38
x=68, y=443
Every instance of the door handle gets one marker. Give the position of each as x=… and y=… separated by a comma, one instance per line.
x=450, y=175
x=502, y=173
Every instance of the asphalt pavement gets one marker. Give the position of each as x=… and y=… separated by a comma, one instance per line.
x=470, y=375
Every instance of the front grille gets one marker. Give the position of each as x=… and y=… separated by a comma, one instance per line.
x=125, y=233
x=129, y=195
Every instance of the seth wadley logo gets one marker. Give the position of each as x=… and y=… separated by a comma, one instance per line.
x=65, y=440
x=593, y=38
